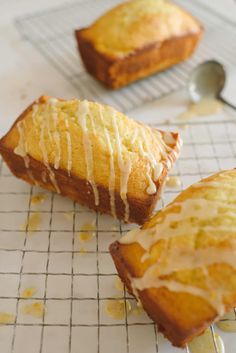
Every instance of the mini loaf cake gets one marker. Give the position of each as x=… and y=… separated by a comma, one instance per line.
x=182, y=264
x=136, y=39
x=92, y=154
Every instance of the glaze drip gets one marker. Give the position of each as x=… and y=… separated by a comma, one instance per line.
x=21, y=149
x=189, y=218
x=45, y=157
x=112, y=177
x=82, y=115
x=124, y=166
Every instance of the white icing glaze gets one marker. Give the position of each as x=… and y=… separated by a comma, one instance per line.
x=134, y=137
x=199, y=208
x=112, y=177
x=174, y=258
x=45, y=158
x=52, y=102
x=180, y=259
x=35, y=109
x=69, y=148
x=57, y=140
x=82, y=115
x=124, y=166
x=44, y=177
x=155, y=145
x=151, y=189
x=214, y=184
x=21, y=149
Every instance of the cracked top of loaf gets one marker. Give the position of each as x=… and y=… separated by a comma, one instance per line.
x=137, y=24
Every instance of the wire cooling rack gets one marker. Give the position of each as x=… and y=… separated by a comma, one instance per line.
x=74, y=286
x=51, y=32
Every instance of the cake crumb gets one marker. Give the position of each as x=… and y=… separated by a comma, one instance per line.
x=35, y=309
x=38, y=198
x=29, y=292
x=6, y=318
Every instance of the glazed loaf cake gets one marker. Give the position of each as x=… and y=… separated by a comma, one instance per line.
x=182, y=264
x=136, y=39
x=92, y=154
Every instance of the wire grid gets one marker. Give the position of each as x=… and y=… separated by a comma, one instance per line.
x=74, y=286
x=51, y=32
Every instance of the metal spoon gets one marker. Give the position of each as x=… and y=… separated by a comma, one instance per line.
x=207, y=81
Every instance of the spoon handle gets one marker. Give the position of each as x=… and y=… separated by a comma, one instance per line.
x=227, y=103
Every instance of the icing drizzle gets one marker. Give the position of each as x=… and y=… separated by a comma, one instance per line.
x=21, y=149
x=124, y=166
x=112, y=178
x=45, y=157
x=187, y=219
x=82, y=116
x=145, y=142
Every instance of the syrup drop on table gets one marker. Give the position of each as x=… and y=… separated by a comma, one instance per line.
x=6, y=318
x=33, y=223
x=116, y=308
x=29, y=292
x=36, y=309
x=38, y=198
x=69, y=216
x=82, y=251
x=138, y=309
x=88, y=232
x=205, y=343
x=228, y=322
x=203, y=108
x=119, y=284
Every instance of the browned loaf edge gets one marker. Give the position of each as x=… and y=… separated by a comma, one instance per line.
x=154, y=301
x=80, y=190
x=116, y=73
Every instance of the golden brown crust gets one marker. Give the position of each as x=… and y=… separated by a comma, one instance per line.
x=136, y=39
x=144, y=62
x=77, y=188
x=157, y=302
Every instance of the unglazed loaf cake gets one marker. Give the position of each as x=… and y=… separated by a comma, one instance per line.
x=182, y=264
x=136, y=39
x=92, y=154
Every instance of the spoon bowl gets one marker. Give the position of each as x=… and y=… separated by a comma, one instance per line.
x=207, y=81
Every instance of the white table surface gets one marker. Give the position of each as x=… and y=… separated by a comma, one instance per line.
x=25, y=74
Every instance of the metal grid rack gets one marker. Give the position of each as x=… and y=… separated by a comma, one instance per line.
x=72, y=284
x=51, y=32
